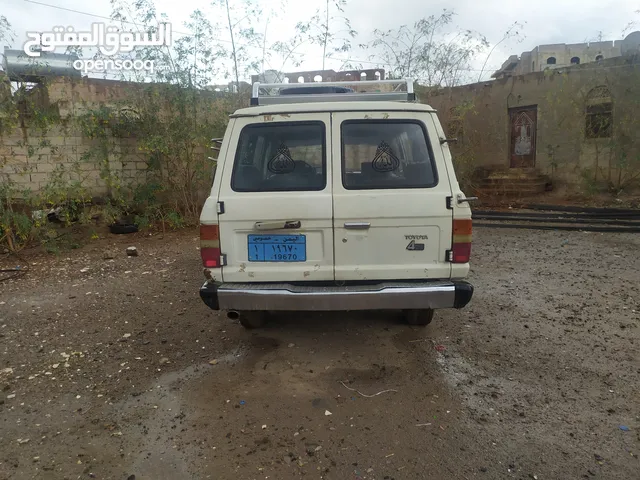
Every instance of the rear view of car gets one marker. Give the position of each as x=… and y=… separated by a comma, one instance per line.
x=332, y=201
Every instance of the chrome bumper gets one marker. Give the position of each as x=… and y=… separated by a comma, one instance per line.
x=382, y=296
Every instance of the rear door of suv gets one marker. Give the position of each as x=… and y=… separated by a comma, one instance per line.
x=277, y=199
x=391, y=220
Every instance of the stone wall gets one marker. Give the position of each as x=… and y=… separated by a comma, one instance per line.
x=479, y=115
x=30, y=158
x=32, y=154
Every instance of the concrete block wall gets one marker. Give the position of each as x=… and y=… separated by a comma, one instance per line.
x=31, y=157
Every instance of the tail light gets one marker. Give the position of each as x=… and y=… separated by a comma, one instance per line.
x=210, y=246
x=461, y=250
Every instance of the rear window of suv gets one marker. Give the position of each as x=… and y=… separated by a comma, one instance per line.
x=287, y=156
x=379, y=154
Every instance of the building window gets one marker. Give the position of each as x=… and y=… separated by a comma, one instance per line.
x=533, y=66
x=551, y=61
x=599, y=113
x=575, y=60
x=599, y=57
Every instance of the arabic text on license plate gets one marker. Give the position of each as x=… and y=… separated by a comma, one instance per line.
x=277, y=248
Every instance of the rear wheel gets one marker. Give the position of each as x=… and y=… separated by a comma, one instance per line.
x=252, y=319
x=419, y=317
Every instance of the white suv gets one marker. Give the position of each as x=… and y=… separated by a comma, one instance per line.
x=328, y=199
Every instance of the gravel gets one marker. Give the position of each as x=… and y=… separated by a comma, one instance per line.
x=105, y=371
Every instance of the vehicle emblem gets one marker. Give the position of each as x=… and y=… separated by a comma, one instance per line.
x=413, y=246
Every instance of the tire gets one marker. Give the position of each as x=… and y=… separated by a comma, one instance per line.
x=419, y=317
x=120, y=229
x=252, y=319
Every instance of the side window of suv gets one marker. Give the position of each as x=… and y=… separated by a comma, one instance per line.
x=288, y=156
x=379, y=154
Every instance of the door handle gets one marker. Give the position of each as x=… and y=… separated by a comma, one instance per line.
x=357, y=225
x=281, y=225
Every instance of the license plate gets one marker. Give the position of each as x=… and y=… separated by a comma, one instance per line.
x=277, y=248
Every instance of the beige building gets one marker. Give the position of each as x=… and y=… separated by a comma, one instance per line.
x=577, y=125
x=560, y=55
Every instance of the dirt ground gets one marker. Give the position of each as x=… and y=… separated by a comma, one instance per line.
x=107, y=371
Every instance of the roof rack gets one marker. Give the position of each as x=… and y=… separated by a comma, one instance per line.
x=265, y=93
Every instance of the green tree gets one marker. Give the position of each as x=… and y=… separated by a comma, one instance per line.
x=6, y=33
x=430, y=50
x=330, y=29
x=240, y=24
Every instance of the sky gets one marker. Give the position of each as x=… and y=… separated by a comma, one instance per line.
x=544, y=22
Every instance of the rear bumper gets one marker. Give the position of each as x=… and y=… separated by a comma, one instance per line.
x=382, y=296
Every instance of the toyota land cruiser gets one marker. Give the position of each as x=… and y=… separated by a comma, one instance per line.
x=335, y=199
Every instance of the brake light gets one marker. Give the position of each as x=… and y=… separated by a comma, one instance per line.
x=210, y=246
x=461, y=249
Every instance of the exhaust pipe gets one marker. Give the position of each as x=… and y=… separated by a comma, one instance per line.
x=233, y=315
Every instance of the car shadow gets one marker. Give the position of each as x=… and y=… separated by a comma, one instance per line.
x=333, y=321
